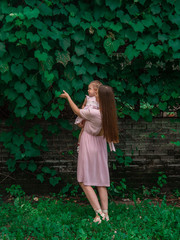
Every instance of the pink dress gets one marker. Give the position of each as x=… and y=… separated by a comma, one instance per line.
x=92, y=166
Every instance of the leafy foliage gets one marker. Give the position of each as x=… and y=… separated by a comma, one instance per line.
x=51, y=218
x=50, y=46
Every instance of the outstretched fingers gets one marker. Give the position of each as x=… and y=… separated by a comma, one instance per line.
x=64, y=94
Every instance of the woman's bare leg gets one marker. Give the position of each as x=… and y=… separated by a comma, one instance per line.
x=103, y=194
x=91, y=196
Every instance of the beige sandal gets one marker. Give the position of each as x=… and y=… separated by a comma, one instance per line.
x=99, y=215
x=106, y=214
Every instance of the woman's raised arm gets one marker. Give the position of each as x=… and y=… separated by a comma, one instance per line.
x=73, y=106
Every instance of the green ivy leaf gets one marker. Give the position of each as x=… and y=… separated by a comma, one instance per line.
x=74, y=21
x=141, y=45
x=131, y=52
x=138, y=27
x=18, y=139
x=176, y=143
x=135, y=115
x=130, y=34
x=10, y=94
x=31, y=2
x=21, y=102
x=20, y=87
x=45, y=10
x=80, y=70
x=6, y=77
x=78, y=36
x=11, y=164
x=77, y=84
x=37, y=139
x=91, y=68
x=155, y=9
x=134, y=89
x=17, y=69
x=46, y=170
x=145, y=113
x=85, y=25
x=175, y=94
x=175, y=44
x=49, y=76
x=141, y=90
x=63, y=57
x=153, y=89
x=102, y=59
x=96, y=24
x=4, y=68
x=28, y=94
x=65, y=43
x=30, y=151
x=101, y=74
x=165, y=97
x=87, y=15
x=32, y=166
x=101, y=32
x=163, y=106
x=76, y=60
x=33, y=37
x=147, y=21
x=23, y=166
x=41, y=56
x=87, y=78
x=55, y=113
x=20, y=112
x=31, y=64
x=108, y=46
x=72, y=9
x=145, y=78
x=116, y=27
x=54, y=180
x=79, y=96
x=40, y=177
x=64, y=85
x=157, y=50
x=113, y=4
x=34, y=110
x=80, y=50
x=46, y=115
x=176, y=55
x=132, y=9
x=29, y=13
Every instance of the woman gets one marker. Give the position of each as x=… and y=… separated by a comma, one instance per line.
x=100, y=127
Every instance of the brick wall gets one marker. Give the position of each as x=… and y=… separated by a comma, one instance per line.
x=150, y=155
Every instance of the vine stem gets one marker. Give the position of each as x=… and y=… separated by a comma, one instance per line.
x=6, y=177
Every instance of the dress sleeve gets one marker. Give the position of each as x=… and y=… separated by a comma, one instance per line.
x=86, y=114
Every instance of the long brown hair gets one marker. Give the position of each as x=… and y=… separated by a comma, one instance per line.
x=109, y=115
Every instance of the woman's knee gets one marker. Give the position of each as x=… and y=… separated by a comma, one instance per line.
x=81, y=184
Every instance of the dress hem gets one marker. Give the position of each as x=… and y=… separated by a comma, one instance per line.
x=95, y=185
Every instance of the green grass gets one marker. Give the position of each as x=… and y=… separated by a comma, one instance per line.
x=51, y=218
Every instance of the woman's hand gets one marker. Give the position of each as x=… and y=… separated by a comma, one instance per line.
x=71, y=103
x=64, y=95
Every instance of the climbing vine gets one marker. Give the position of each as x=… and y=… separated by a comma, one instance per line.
x=47, y=46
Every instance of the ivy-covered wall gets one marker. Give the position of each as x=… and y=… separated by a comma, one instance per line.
x=144, y=150
x=47, y=46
